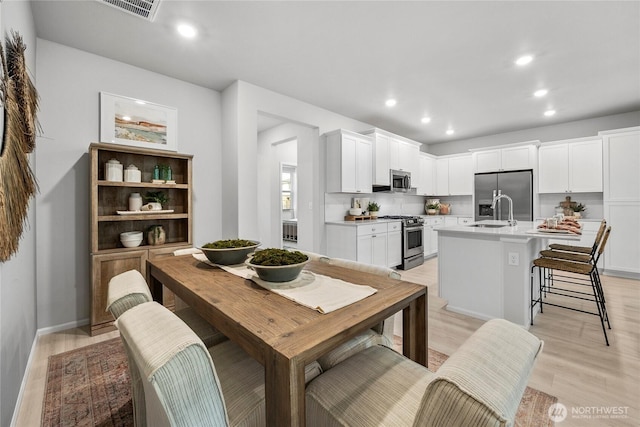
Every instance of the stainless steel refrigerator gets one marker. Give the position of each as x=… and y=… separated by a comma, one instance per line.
x=517, y=184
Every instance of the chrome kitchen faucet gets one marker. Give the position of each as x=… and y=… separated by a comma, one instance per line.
x=512, y=222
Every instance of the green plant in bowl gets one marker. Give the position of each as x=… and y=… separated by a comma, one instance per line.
x=373, y=207
x=277, y=265
x=230, y=251
x=156, y=196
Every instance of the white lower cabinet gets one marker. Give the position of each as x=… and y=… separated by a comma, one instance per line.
x=430, y=236
x=394, y=244
x=623, y=247
x=450, y=220
x=464, y=220
x=371, y=242
x=372, y=249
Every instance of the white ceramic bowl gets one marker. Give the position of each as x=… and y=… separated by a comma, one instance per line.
x=355, y=211
x=131, y=239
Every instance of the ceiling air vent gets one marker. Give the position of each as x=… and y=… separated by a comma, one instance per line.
x=145, y=9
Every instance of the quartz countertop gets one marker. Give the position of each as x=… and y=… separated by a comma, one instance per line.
x=362, y=222
x=524, y=229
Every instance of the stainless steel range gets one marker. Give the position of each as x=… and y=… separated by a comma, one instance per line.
x=412, y=244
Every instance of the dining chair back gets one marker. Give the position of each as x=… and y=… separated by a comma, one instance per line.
x=380, y=334
x=481, y=384
x=180, y=381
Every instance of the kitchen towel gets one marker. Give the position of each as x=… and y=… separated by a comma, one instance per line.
x=316, y=291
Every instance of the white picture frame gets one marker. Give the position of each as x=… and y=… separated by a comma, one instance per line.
x=138, y=123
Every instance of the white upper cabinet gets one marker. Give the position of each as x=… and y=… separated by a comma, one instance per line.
x=427, y=175
x=454, y=176
x=574, y=166
x=488, y=161
x=442, y=176
x=381, y=159
x=505, y=159
x=349, y=162
x=622, y=165
x=408, y=157
x=460, y=175
x=392, y=152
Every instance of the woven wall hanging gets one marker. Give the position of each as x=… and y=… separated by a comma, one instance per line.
x=19, y=100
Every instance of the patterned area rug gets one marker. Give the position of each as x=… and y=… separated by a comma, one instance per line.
x=90, y=387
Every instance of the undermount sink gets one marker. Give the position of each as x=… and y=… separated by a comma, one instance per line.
x=488, y=225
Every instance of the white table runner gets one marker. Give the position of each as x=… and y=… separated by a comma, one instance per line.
x=316, y=291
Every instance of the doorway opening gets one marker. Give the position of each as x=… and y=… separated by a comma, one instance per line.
x=289, y=205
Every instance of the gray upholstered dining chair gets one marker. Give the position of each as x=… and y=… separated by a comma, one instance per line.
x=381, y=334
x=128, y=289
x=185, y=384
x=481, y=384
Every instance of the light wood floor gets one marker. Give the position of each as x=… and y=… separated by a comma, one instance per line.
x=575, y=366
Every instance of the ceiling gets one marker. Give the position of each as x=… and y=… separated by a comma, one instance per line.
x=450, y=60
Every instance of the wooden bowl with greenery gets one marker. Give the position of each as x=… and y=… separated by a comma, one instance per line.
x=277, y=265
x=229, y=252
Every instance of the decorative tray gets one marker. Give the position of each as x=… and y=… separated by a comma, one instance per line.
x=144, y=212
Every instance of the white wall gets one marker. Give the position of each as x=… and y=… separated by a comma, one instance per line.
x=575, y=129
x=18, y=274
x=241, y=104
x=69, y=82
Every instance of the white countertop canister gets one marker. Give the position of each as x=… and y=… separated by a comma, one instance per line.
x=113, y=171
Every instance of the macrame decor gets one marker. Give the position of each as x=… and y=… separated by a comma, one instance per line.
x=19, y=100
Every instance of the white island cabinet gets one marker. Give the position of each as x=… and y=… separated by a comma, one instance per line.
x=485, y=272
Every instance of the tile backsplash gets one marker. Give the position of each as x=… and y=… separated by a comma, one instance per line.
x=336, y=205
x=593, y=202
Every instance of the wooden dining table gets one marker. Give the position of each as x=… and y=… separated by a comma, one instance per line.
x=283, y=335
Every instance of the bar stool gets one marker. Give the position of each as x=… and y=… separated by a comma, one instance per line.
x=548, y=283
x=576, y=253
x=564, y=250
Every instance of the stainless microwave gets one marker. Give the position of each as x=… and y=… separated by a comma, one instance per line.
x=400, y=181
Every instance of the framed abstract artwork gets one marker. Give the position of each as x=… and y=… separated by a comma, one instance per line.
x=139, y=123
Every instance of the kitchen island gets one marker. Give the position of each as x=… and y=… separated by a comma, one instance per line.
x=484, y=268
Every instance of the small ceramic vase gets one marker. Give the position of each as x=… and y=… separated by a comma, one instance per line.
x=156, y=235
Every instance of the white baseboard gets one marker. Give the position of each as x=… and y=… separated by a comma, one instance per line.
x=24, y=381
x=27, y=369
x=62, y=327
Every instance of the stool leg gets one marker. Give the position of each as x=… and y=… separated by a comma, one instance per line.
x=533, y=302
x=541, y=272
x=598, y=305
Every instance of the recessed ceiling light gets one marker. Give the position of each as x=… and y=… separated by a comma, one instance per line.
x=450, y=131
x=549, y=113
x=425, y=119
x=540, y=93
x=390, y=102
x=524, y=60
x=187, y=31
x=126, y=118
